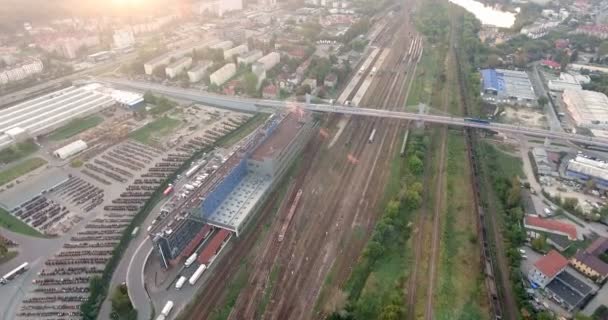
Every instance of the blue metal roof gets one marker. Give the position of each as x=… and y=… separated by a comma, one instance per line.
x=492, y=80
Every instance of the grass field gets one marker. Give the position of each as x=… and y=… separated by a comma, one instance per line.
x=459, y=283
x=11, y=223
x=18, y=151
x=156, y=128
x=75, y=127
x=8, y=256
x=426, y=73
x=16, y=171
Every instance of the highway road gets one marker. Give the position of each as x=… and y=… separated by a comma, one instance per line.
x=259, y=105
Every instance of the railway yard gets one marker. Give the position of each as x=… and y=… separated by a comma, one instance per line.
x=198, y=212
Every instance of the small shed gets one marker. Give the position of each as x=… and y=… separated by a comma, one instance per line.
x=70, y=149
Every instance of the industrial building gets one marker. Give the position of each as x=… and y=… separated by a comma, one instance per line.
x=270, y=60
x=584, y=169
x=178, y=67
x=560, y=283
x=249, y=57
x=223, y=74
x=568, y=81
x=587, y=108
x=238, y=50
x=558, y=234
x=70, y=149
x=33, y=187
x=238, y=188
x=46, y=113
x=196, y=74
x=507, y=86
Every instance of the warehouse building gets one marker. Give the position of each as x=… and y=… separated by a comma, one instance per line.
x=507, y=86
x=568, y=81
x=236, y=190
x=558, y=234
x=46, y=113
x=233, y=202
x=178, y=67
x=196, y=74
x=29, y=189
x=587, y=108
x=70, y=149
x=249, y=57
x=270, y=60
x=223, y=74
x=238, y=50
x=584, y=169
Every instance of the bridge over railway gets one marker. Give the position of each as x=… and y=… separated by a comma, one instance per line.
x=260, y=105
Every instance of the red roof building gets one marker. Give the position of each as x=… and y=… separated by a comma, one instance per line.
x=539, y=224
x=561, y=43
x=213, y=247
x=547, y=268
x=551, y=64
x=270, y=91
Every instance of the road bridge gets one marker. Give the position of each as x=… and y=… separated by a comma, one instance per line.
x=270, y=106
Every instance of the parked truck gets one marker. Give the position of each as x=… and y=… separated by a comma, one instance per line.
x=197, y=274
x=180, y=282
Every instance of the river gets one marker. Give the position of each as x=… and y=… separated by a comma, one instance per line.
x=486, y=14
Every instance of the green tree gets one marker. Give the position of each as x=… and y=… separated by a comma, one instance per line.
x=603, y=49
x=149, y=97
x=3, y=249
x=391, y=312
x=159, y=71
x=570, y=204
x=120, y=300
x=415, y=164
x=539, y=244
x=412, y=199
x=542, y=101
x=514, y=196
x=251, y=83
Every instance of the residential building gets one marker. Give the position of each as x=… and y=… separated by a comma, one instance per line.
x=587, y=108
x=270, y=91
x=196, y=74
x=216, y=7
x=238, y=50
x=547, y=268
x=596, y=30
x=558, y=234
x=551, y=64
x=270, y=60
x=23, y=70
x=178, y=67
x=507, y=86
x=123, y=38
x=249, y=57
x=222, y=75
x=223, y=45
x=592, y=261
x=331, y=80
x=260, y=74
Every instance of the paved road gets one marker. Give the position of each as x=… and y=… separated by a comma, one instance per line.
x=258, y=105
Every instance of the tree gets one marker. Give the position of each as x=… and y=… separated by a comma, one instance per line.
x=120, y=300
x=542, y=101
x=302, y=90
x=539, y=244
x=415, y=165
x=570, y=204
x=159, y=71
x=603, y=49
x=514, y=196
x=412, y=199
x=493, y=61
x=251, y=83
x=3, y=249
x=149, y=97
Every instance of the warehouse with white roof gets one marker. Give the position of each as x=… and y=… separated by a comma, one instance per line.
x=46, y=113
x=587, y=108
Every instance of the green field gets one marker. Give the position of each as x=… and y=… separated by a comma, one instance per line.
x=11, y=223
x=8, y=256
x=20, y=169
x=75, y=127
x=154, y=129
x=18, y=151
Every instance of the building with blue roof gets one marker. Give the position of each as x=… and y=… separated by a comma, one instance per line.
x=507, y=86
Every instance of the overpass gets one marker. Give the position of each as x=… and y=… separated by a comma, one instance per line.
x=270, y=106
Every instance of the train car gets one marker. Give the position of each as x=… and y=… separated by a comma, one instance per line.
x=180, y=282
x=477, y=120
x=190, y=260
x=371, y=136
x=168, y=190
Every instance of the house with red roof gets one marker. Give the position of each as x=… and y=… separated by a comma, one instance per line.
x=551, y=64
x=593, y=261
x=547, y=268
x=558, y=234
x=270, y=91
